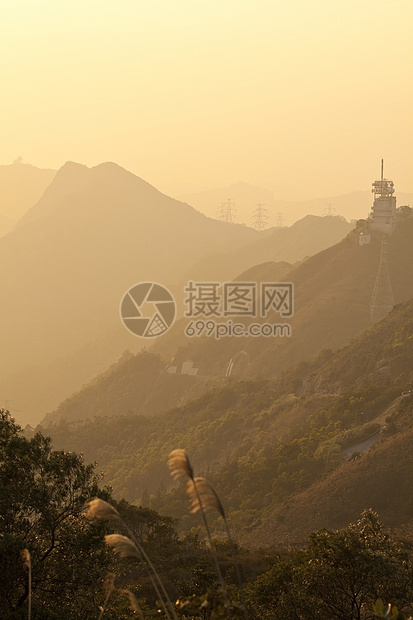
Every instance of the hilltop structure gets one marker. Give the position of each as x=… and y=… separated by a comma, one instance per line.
x=383, y=215
x=382, y=221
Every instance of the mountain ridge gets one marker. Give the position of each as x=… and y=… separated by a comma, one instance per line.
x=274, y=449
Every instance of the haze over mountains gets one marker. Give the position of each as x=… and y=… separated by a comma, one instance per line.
x=21, y=185
x=295, y=243
x=351, y=205
x=332, y=291
x=272, y=419
x=332, y=305
x=275, y=450
x=71, y=257
x=92, y=235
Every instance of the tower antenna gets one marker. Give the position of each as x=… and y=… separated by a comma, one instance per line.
x=382, y=169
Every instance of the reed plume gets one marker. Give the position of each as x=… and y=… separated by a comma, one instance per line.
x=178, y=463
x=27, y=562
x=203, y=495
x=99, y=509
x=123, y=546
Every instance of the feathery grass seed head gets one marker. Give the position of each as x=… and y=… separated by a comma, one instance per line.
x=122, y=545
x=26, y=559
x=99, y=509
x=178, y=463
x=205, y=493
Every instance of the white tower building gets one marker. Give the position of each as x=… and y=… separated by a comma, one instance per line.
x=383, y=215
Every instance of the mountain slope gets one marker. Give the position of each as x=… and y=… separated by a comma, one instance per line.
x=305, y=238
x=21, y=185
x=275, y=449
x=93, y=234
x=354, y=205
x=381, y=479
x=332, y=296
x=332, y=305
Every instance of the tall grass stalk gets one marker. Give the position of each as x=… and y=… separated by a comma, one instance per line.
x=211, y=501
x=27, y=562
x=130, y=547
x=178, y=463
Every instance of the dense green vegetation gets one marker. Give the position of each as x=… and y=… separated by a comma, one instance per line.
x=332, y=293
x=261, y=442
x=42, y=497
x=135, y=385
x=337, y=574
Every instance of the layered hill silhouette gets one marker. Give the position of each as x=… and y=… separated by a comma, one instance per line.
x=275, y=450
x=332, y=299
x=332, y=296
x=93, y=234
x=292, y=244
x=21, y=185
x=380, y=478
x=354, y=205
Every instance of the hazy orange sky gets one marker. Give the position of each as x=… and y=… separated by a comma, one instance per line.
x=302, y=97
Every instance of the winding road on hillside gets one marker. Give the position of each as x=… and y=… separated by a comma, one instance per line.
x=365, y=444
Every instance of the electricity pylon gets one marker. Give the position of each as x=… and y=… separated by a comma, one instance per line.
x=260, y=217
x=279, y=219
x=227, y=211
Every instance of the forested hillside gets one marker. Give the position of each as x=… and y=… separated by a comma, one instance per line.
x=332, y=296
x=68, y=549
x=262, y=442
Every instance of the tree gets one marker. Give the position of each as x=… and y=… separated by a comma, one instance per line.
x=42, y=495
x=340, y=575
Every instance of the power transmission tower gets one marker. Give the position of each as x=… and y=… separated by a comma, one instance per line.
x=279, y=219
x=260, y=217
x=382, y=300
x=227, y=211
